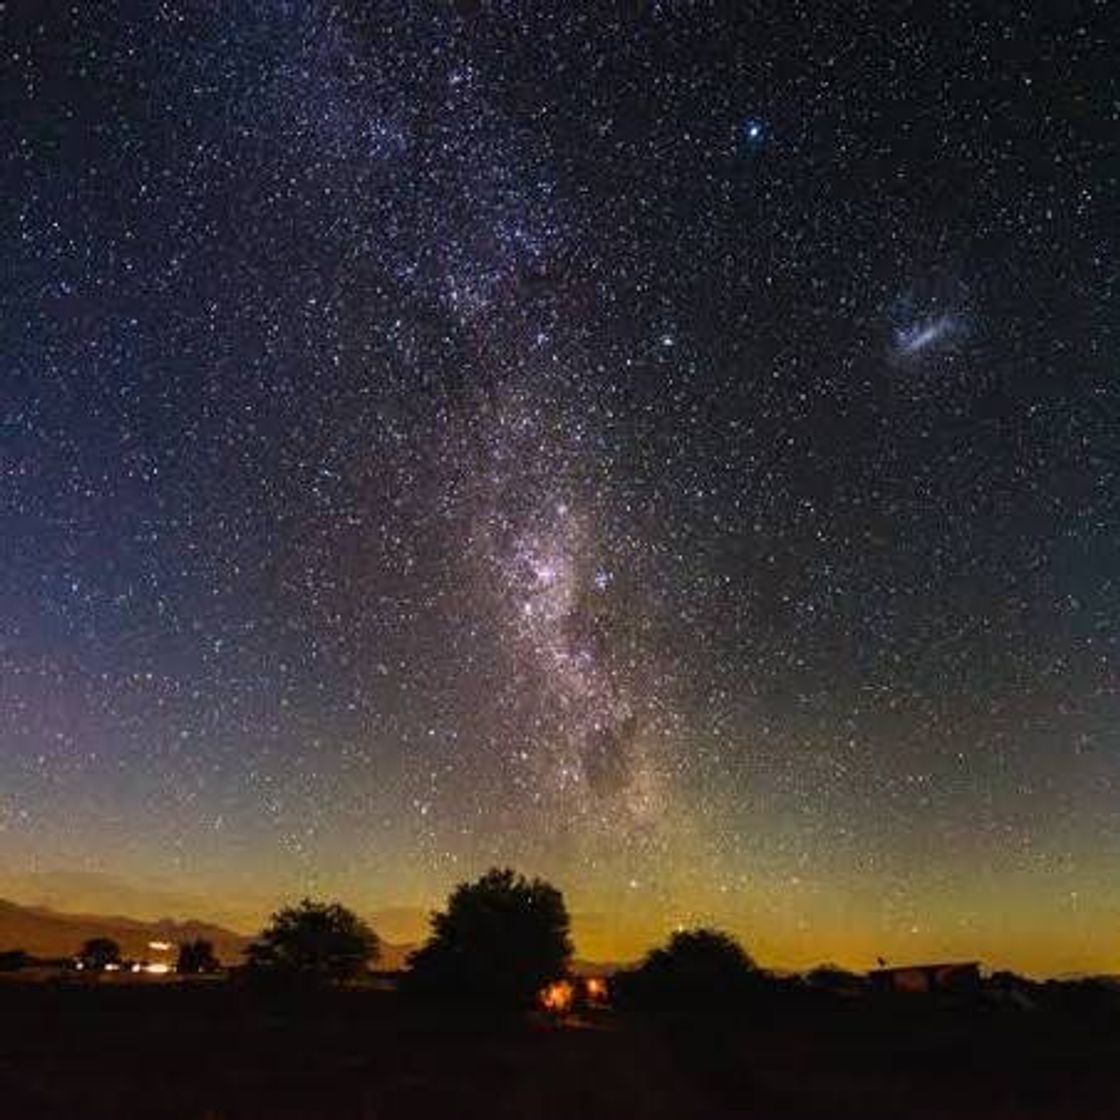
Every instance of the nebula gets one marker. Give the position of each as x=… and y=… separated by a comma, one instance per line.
x=924, y=336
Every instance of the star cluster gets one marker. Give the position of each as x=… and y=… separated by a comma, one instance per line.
x=673, y=452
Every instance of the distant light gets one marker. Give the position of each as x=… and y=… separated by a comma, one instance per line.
x=112, y=967
x=160, y=946
x=157, y=969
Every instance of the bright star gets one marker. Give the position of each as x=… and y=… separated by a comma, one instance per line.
x=754, y=132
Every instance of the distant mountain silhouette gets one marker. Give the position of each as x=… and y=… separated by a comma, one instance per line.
x=97, y=892
x=44, y=932
x=47, y=933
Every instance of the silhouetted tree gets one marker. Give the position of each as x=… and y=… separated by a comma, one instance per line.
x=98, y=952
x=314, y=943
x=12, y=960
x=500, y=940
x=698, y=968
x=197, y=957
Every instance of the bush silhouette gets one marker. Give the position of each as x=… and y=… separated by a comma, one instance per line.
x=99, y=952
x=197, y=957
x=13, y=960
x=313, y=944
x=833, y=978
x=501, y=939
x=700, y=968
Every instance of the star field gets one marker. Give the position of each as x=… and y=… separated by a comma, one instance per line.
x=676, y=454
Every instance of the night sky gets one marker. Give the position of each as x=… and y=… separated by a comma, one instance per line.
x=676, y=454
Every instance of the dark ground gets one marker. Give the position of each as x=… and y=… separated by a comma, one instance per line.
x=206, y=1051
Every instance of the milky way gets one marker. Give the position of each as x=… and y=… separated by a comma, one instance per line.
x=671, y=452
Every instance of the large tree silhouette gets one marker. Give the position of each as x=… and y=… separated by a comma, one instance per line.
x=501, y=939
x=313, y=944
x=98, y=952
x=197, y=957
x=697, y=968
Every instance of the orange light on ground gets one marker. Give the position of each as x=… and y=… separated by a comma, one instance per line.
x=596, y=989
x=558, y=997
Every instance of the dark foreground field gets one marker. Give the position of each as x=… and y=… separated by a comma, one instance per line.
x=209, y=1052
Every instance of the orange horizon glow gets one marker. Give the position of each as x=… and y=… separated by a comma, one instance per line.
x=1024, y=938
